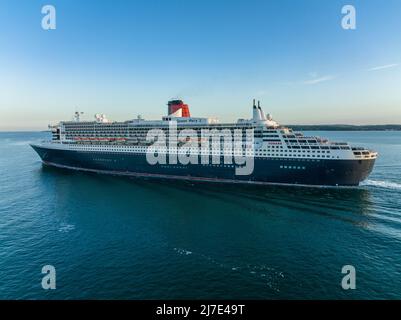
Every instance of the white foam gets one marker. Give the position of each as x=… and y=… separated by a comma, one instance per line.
x=269, y=275
x=183, y=251
x=382, y=184
x=64, y=227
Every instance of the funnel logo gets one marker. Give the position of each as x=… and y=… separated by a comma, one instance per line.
x=209, y=147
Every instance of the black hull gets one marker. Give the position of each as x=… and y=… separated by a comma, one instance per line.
x=318, y=172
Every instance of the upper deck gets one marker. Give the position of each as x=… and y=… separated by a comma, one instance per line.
x=269, y=137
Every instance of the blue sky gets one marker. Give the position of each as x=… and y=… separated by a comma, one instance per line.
x=125, y=58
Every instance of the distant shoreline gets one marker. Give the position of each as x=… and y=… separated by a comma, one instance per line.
x=346, y=127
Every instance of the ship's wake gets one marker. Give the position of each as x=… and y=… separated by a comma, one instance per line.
x=269, y=275
x=382, y=184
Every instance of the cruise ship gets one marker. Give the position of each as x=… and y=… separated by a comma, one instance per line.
x=279, y=155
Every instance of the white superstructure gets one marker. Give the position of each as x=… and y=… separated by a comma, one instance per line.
x=270, y=139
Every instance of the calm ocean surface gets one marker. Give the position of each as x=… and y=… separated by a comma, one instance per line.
x=111, y=237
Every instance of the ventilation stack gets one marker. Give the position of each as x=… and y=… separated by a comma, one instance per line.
x=255, y=114
x=262, y=114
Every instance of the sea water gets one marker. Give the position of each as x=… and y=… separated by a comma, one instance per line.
x=122, y=238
